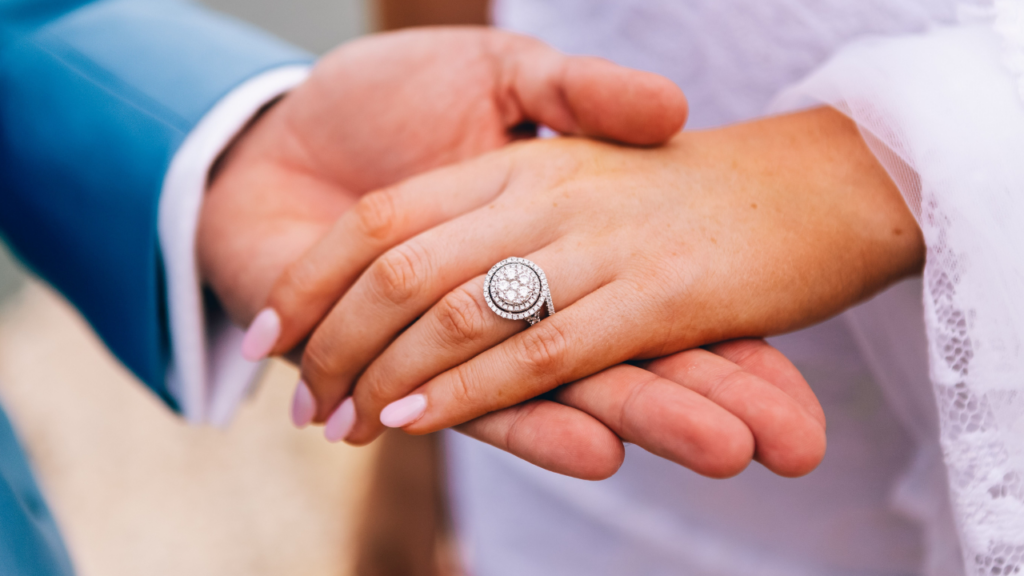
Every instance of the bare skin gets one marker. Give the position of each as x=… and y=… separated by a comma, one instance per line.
x=749, y=230
x=381, y=109
x=378, y=111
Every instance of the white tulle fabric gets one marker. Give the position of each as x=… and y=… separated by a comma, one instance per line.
x=944, y=113
x=1008, y=21
x=937, y=87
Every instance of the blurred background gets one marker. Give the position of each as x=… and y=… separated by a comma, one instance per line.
x=135, y=490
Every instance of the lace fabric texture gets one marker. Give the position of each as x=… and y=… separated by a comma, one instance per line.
x=945, y=118
x=943, y=109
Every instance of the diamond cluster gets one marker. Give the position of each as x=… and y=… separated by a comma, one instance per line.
x=515, y=288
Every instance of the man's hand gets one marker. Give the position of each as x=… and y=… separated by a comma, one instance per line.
x=386, y=107
x=382, y=109
x=750, y=230
x=711, y=410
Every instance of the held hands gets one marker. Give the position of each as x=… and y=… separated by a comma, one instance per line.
x=750, y=230
x=381, y=109
x=647, y=251
x=386, y=107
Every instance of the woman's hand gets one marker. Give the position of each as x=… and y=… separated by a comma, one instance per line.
x=745, y=231
x=386, y=107
x=383, y=108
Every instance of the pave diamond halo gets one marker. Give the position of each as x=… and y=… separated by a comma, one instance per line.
x=517, y=289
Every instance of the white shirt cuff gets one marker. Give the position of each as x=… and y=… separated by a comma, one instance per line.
x=207, y=376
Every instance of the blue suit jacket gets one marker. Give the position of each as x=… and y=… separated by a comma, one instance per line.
x=95, y=98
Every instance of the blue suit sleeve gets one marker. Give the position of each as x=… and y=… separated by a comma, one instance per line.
x=94, y=101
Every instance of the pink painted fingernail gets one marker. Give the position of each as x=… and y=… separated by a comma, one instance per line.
x=303, y=405
x=404, y=412
x=262, y=335
x=341, y=422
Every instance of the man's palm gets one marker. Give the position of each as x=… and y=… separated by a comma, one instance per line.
x=379, y=110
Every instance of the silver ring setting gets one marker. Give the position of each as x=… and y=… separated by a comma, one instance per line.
x=517, y=289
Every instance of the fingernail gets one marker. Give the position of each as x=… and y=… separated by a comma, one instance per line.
x=303, y=405
x=404, y=412
x=543, y=132
x=341, y=422
x=262, y=335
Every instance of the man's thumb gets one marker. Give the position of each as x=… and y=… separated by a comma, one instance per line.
x=616, y=103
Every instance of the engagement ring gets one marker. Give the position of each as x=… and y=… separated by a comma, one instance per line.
x=517, y=289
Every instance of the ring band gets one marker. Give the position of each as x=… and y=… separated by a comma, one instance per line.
x=517, y=289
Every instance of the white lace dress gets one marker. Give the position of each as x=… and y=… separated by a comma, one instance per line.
x=924, y=396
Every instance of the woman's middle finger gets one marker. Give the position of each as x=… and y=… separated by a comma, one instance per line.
x=401, y=286
x=456, y=329
x=308, y=288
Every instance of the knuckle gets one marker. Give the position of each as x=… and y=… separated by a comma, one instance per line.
x=375, y=215
x=297, y=284
x=373, y=392
x=628, y=412
x=319, y=364
x=460, y=317
x=460, y=388
x=381, y=384
x=744, y=352
x=516, y=436
x=542, y=347
x=397, y=273
x=729, y=384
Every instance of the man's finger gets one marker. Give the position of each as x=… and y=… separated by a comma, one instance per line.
x=761, y=359
x=458, y=327
x=659, y=415
x=399, y=287
x=590, y=96
x=583, y=339
x=790, y=441
x=555, y=437
x=665, y=419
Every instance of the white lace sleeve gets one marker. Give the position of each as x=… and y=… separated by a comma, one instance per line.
x=944, y=112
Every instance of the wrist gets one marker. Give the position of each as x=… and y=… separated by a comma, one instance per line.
x=235, y=173
x=237, y=141
x=264, y=207
x=876, y=214
x=815, y=167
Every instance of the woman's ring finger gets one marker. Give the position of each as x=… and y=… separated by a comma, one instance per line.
x=517, y=289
